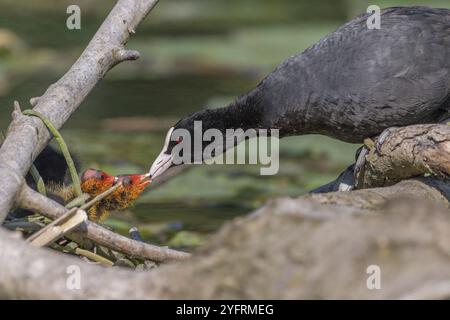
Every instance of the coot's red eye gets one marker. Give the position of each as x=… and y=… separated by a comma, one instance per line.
x=179, y=139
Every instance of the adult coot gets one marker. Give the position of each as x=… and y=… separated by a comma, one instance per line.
x=351, y=85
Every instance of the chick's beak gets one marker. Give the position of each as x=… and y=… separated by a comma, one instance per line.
x=161, y=164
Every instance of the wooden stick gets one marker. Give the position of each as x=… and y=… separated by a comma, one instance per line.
x=55, y=230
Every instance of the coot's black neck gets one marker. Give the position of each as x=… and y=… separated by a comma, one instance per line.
x=244, y=113
x=269, y=106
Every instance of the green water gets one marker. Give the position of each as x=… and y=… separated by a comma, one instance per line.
x=194, y=54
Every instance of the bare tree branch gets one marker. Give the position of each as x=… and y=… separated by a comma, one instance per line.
x=26, y=136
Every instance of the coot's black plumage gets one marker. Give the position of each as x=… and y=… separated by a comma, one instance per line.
x=352, y=84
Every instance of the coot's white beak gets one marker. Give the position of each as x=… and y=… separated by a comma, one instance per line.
x=161, y=164
x=163, y=161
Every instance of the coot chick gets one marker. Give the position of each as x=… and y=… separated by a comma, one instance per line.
x=54, y=172
x=95, y=182
x=131, y=187
x=351, y=85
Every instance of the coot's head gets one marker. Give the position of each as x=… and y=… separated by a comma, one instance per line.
x=181, y=132
x=187, y=140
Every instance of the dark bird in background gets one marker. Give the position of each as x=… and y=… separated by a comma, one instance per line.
x=351, y=85
x=52, y=167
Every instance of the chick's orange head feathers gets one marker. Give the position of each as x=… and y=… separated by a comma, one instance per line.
x=95, y=181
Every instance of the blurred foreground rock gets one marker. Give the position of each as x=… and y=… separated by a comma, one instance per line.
x=320, y=246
